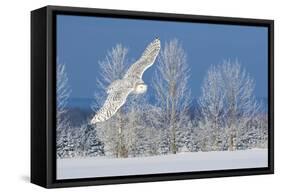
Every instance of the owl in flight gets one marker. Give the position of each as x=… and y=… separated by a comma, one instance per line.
x=132, y=82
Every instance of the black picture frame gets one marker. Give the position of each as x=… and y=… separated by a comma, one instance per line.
x=43, y=106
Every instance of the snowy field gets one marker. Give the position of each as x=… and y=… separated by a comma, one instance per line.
x=182, y=162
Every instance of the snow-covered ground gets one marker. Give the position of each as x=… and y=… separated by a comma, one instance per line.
x=182, y=162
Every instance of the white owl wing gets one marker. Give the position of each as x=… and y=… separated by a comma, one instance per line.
x=145, y=61
x=115, y=99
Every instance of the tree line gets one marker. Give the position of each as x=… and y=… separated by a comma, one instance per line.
x=227, y=116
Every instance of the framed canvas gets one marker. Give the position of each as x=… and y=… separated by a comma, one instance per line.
x=126, y=96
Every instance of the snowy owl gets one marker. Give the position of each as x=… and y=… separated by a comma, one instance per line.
x=132, y=82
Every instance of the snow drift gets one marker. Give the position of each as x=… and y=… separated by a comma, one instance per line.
x=182, y=162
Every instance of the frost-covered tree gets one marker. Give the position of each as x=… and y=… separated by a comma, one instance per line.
x=241, y=104
x=142, y=135
x=211, y=107
x=92, y=144
x=228, y=107
x=111, y=132
x=63, y=92
x=173, y=94
x=134, y=126
x=257, y=136
x=151, y=116
x=64, y=142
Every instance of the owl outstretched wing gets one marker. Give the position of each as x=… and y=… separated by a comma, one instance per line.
x=145, y=61
x=119, y=90
x=115, y=99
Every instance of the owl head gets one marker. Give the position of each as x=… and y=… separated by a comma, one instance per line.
x=140, y=88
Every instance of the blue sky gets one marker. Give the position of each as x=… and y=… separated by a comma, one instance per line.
x=83, y=41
